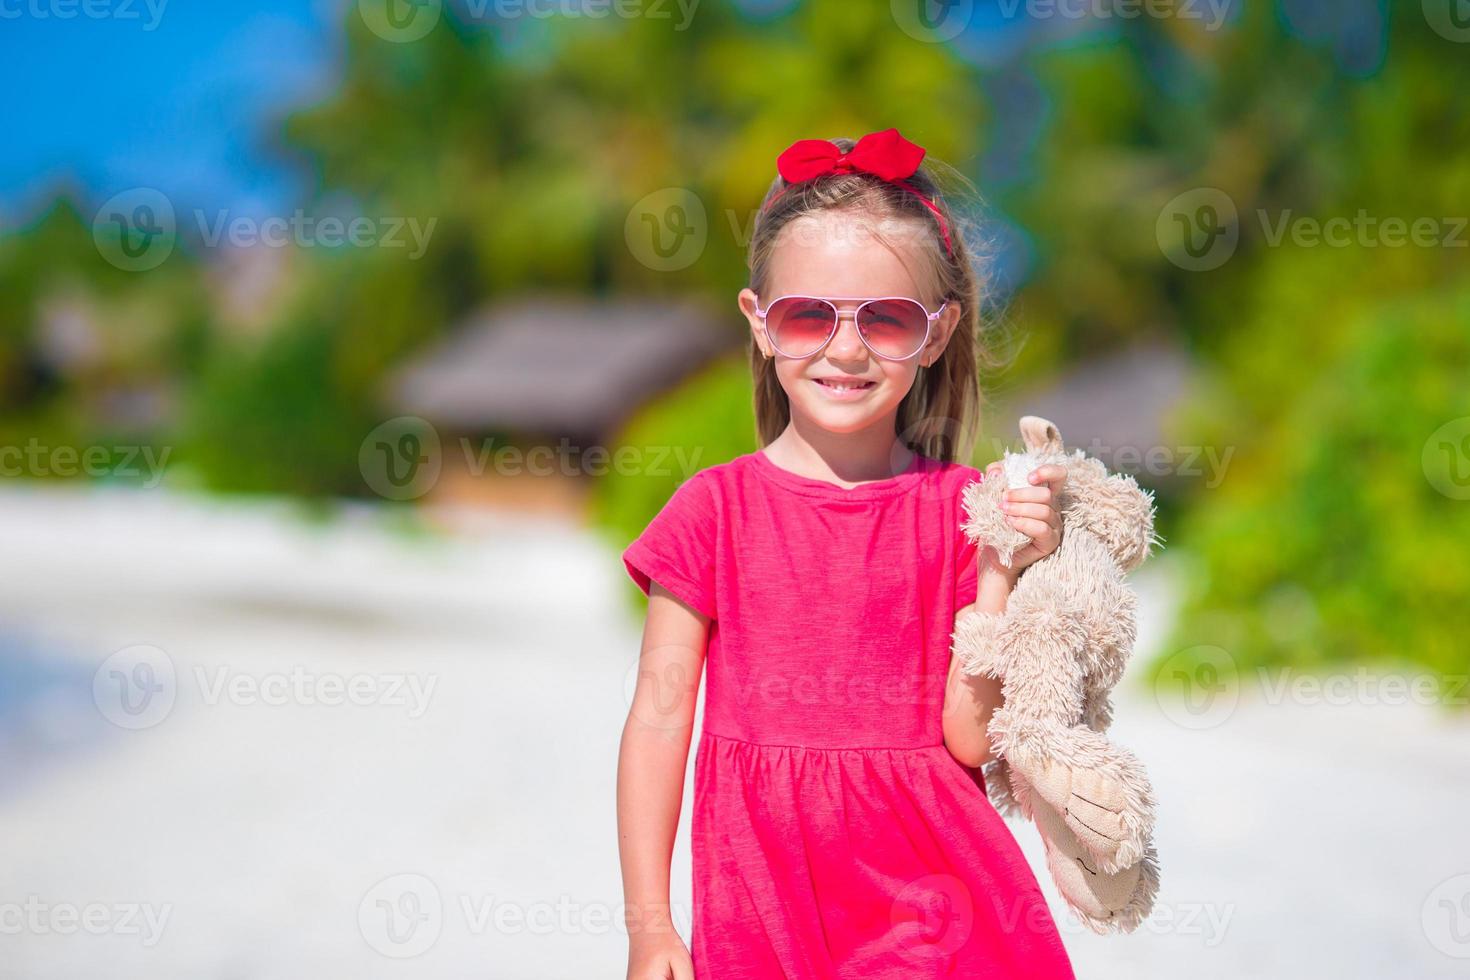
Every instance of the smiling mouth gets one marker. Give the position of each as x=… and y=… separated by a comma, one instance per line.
x=844, y=384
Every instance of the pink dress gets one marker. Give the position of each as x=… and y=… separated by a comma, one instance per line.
x=832, y=833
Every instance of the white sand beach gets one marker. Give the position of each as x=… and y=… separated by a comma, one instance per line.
x=369, y=752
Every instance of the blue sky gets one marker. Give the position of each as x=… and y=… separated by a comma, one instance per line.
x=180, y=95
x=108, y=104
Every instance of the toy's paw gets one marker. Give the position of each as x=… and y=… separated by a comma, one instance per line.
x=1090, y=804
x=1105, y=902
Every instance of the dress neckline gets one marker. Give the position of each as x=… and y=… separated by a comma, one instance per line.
x=821, y=488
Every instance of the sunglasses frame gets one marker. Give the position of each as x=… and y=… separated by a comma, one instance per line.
x=832, y=302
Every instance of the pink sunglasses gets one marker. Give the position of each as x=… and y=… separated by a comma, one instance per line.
x=894, y=328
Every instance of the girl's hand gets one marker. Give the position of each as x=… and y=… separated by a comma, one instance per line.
x=1033, y=511
x=663, y=957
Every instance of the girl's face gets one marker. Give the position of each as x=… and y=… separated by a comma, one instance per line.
x=844, y=387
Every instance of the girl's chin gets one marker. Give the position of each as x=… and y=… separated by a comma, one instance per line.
x=843, y=416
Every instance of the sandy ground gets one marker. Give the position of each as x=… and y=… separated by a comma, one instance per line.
x=234, y=744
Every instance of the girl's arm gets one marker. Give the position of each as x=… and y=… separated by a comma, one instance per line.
x=969, y=701
x=651, y=762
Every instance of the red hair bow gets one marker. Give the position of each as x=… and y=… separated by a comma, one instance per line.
x=884, y=154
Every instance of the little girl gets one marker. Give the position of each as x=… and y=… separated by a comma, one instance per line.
x=840, y=826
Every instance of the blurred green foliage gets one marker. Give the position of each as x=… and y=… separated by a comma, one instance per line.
x=1322, y=369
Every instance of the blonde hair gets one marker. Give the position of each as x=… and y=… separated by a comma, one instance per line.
x=940, y=416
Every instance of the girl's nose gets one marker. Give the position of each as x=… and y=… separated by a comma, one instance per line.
x=846, y=345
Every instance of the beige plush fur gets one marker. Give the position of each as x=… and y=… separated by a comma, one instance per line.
x=1059, y=649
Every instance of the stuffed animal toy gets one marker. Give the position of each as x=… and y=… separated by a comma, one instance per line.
x=1058, y=650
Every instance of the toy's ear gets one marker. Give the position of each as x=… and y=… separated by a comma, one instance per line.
x=1040, y=435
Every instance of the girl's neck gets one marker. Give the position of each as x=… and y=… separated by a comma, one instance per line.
x=846, y=458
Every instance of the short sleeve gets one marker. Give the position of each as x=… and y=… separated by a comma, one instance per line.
x=676, y=550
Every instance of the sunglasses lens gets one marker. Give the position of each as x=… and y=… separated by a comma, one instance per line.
x=798, y=325
x=894, y=327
